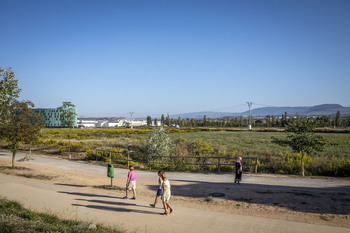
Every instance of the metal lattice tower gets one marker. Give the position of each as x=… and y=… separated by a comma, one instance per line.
x=250, y=116
x=131, y=113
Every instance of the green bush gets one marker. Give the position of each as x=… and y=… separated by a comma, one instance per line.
x=62, y=143
x=76, y=147
x=15, y=218
x=62, y=150
x=28, y=215
x=226, y=168
x=339, y=167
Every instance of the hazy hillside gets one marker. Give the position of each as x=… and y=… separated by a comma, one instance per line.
x=318, y=110
x=198, y=115
x=328, y=110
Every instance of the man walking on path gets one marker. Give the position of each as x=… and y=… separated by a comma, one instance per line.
x=159, y=188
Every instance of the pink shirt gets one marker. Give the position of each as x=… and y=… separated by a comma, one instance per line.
x=132, y=175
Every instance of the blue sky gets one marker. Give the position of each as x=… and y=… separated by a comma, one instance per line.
x=110, y=58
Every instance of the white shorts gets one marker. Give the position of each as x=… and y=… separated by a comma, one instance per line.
x=132, y=185
x=166, y=197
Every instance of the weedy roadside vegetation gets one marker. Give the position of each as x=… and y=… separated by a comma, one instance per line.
x=15, y=218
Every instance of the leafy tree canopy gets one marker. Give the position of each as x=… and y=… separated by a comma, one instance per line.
x=68, y=114
x=302, y=139
x=23, y=125
x=8, y=91
x=8, y=85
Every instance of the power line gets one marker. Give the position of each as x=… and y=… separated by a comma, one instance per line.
x=264, y=105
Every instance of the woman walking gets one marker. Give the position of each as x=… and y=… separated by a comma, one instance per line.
x=239, y=170
x=130, y=184
x=166, y=195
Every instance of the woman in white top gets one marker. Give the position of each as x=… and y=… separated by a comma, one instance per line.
x=166, y=195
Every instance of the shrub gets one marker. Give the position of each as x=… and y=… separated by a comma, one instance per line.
x=76, y=147
x=62, y=150
x=159, y=143
x=28, y=215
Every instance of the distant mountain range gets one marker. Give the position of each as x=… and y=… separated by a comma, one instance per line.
x=318, y=110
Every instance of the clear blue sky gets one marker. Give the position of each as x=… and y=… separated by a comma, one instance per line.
x=113, y=57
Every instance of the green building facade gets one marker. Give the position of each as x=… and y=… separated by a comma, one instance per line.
x=52, y=117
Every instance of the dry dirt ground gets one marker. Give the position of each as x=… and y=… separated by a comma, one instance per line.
x=327, y=205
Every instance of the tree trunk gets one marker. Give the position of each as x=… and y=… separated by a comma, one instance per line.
x=70, y=156
x=302, y=163
x=14, y=151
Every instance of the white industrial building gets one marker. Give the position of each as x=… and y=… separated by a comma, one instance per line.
x=117, y=123
x=86, y=123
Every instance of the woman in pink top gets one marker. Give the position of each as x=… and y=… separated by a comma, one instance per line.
x=131, y=183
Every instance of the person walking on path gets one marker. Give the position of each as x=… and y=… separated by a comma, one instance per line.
x=159, y=188
x=239, y=170
x=131, y=183
x=166, y=193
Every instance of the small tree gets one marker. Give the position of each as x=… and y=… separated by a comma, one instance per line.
x=149, y=121
x=158, y=144
x=34, y=130
x=8, y=91
x=241, y=121
x=162, y=120
x=167, y=120
x=338, y=120
x=301, y=138
x=205, y=120
x=179, y=121
x=268, y=121
x=22, y=124
x=67, y=117
x=8, y=85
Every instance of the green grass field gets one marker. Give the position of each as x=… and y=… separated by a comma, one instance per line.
x=252, y=143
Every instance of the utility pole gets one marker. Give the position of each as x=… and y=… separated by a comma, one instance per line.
x=131, y=113
x=250, y=117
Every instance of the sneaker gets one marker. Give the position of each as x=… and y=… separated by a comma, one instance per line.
x=171, y=210
x=165, y=213
x=133, y=198
x=125, y=197
x=152, y=205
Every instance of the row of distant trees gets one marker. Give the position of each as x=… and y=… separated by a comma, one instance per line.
x=268, y=121
x=19, y=124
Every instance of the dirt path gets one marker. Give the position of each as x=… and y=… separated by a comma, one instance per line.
x=261, y=204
